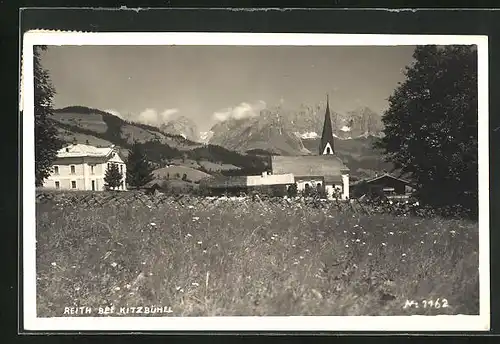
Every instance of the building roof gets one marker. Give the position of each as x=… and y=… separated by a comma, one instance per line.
x=81, y=150
x=327, y=135
x=385, y=175
x=225, y=181
x=309, y=165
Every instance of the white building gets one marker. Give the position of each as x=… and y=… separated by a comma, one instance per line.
x=83, y=167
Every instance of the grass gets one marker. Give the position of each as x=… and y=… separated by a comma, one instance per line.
x=250, y=258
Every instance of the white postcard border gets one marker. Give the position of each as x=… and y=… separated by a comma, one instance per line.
x=479, y=322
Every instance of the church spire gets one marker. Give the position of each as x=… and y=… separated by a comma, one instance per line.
x=326, y=146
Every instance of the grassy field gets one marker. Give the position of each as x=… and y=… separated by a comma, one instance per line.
x=252, y=258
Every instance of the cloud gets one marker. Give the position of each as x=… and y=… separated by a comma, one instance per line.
x=114, y=112
x=243, y=110
x=148, y=116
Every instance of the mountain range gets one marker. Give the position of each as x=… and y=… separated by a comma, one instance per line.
x=243, y=143
x=286, y=131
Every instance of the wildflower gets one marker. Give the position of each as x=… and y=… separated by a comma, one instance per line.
x=452, y=232
x=127, y=286
x=293, y=245
x=369, y=253
x=363, y=243
x=188, y=235
x=150, y=274
x=295, y=263
x=307, y=250
x=345, y=232
x=435, y=241
x=117, y=288
x=384, y=244
x=114, y=264
x=391, y=233
x=153, y=224
x=357, y=240
x=199, y=242
x=404, y=255
x=195, y=218
x=390, y=202
x=177, y=288
x=194, y=284
x=190, y=206
x=77, y=288
x=346, y=245
x=53, y=264
x=421, y=241
x=356, y=225
x=301, y=257
x=204, y=251
x=295, y=238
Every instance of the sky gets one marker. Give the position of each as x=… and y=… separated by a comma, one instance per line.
x=152, y=84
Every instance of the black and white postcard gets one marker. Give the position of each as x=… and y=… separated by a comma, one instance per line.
x=255, y=181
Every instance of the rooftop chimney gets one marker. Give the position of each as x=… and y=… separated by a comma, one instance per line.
x=87, y=142
x=74, y=141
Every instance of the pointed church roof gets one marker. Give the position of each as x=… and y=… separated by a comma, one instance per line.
x=327, y=135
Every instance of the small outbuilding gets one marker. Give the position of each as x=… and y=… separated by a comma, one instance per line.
x=385, y=184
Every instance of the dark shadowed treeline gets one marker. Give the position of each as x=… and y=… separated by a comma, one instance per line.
x=431, y=126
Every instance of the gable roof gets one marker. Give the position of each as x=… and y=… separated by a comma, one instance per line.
x=308, y=165
x=385, y=175
x=81, y=150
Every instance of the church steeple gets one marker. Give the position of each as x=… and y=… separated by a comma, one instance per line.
x=326, y=146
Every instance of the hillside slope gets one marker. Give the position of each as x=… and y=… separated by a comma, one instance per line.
x=99, y=128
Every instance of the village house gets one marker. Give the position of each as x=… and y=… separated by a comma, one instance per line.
x=324, y=171
x=386, y=184
x=83, y=167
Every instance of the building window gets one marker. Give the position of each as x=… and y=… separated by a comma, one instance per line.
x=57, y=184
x=73, y=184
x=56, y=169
x=72, y=167
x=121, y=168
x=91, y=169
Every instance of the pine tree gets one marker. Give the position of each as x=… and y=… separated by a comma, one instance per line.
x=46, y=142
x=292, y=190
x=113, y=177
x=139, y=170
x=431, y=126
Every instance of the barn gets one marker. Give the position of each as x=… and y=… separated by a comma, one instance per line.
x=386, y=184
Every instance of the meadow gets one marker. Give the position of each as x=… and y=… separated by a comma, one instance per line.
x=242, y=257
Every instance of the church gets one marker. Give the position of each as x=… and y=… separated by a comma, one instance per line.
x=324, y=171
